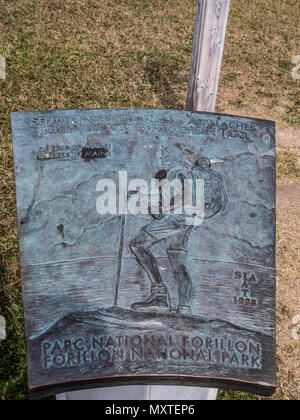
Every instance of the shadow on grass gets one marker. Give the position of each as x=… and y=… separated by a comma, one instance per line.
x=162, y=76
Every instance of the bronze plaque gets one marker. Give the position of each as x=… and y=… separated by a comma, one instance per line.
x=147, y=245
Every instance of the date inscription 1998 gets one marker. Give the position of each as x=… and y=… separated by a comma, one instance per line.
x=245, y=298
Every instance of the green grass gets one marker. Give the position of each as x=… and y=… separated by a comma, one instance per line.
x=234, y=395
x=129, y=53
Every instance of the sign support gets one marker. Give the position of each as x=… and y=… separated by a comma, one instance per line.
x=208, y=46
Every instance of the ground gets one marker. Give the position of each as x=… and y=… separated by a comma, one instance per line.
x=132, y=53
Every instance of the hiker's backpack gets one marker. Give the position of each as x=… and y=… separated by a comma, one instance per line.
x=215, y=197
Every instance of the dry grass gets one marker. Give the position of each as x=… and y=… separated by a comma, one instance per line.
x=262, y=39
x=288, y=292
x=288, y=168
x=132, y=53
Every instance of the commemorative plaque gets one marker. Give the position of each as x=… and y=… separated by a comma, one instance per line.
x=147, y=246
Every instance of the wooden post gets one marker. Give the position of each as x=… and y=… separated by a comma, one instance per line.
x=208, y=45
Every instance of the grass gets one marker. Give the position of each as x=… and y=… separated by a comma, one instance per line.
x=261, y=42
x=288, y=292
x=132, y=53
x=288, y=168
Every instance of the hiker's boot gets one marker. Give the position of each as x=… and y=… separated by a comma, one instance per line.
x=158, y=301
x=184, y=310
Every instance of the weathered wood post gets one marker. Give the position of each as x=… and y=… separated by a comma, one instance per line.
x=208, y=45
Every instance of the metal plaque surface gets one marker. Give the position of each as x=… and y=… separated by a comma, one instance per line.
x=126, y=278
